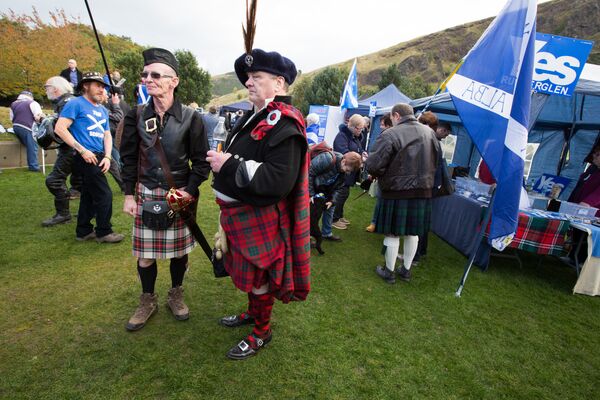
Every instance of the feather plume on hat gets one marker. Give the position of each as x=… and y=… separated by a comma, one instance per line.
x=249, y=30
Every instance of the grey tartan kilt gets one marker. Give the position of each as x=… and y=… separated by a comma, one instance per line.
x=173, y=242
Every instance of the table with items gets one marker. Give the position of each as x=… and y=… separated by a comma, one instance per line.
x=457, y=218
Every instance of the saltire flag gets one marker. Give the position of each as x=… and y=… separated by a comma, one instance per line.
x=349, y=97
x=142, y=94
x=491, y=92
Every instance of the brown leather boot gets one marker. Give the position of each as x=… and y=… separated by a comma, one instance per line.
x=180, y=311
x=148, y=307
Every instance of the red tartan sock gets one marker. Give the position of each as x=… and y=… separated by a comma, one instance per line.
x=248, y=312
x=261, y=308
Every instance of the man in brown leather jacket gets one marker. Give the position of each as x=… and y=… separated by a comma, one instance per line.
x=404, y=160
x=181, y=134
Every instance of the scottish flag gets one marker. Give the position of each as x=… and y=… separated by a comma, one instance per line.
x=491, y=92
x=350, y=96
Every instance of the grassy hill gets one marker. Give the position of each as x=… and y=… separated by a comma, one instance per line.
x=225, y=84
x=432, y=57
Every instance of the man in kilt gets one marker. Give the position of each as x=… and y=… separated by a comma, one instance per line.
x=181, y=134
x=262, y=190
x=404, y=161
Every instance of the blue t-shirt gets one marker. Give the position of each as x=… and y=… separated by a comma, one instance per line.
x=89, y=123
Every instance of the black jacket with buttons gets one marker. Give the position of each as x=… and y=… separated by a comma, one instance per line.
x=184, y=142
x=262, y=172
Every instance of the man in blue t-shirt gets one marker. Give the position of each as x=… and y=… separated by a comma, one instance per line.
x=83, y=125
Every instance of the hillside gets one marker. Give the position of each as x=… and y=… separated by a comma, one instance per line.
x=225, y=84
x=433, y=57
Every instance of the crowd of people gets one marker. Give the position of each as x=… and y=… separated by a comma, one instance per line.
x=273, y=181
x=275, y=184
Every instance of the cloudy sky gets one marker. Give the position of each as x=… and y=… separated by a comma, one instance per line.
x=313, y=33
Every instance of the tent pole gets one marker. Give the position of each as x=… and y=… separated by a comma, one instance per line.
x=476, y=245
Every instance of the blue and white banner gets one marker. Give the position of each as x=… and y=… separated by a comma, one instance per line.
x=546, y=183
x=349, y=97
x=491, y=92
x=558, y=63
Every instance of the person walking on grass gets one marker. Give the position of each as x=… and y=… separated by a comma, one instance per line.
x=83, y=125
x=403, y=160
x=179, y=132
x=59, y=92
x=23, y=113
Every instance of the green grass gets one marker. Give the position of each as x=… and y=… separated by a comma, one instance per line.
x=515, y=333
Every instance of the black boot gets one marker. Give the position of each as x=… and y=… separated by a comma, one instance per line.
x=62, y=214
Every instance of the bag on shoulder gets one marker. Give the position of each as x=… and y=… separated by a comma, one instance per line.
x=157, y=215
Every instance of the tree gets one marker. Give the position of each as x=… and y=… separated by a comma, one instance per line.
x=325, y=88
x=413, y=88
x=194, y=82
x=129, y=65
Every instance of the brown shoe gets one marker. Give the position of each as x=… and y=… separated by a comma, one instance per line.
x=89, y=236
x=148, y=307
x=344, y=221
x=339, y=225
x=180, y=311
x=110, y=238
x=370, y=228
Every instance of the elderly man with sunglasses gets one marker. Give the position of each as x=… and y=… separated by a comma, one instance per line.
x=179, y=130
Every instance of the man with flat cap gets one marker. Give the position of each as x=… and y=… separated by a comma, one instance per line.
x=179, y=132
x=262, y=190
x=83, y=125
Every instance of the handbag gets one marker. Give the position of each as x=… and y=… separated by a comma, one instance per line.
x=157, y=215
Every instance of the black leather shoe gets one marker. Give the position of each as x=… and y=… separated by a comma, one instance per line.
x=244, y=349
x=233, y=321
x=332, y=238
x=56, y=219
x=386, y=274
x=404, y=274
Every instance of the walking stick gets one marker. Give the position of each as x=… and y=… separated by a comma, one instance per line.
x=112, y=90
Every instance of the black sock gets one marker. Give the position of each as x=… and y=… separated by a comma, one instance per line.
x=148, y=277
x=178, y=268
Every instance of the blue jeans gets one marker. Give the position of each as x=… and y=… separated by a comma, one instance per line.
x=26, y=138
x=326, y=220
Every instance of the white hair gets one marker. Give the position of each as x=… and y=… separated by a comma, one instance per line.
x=61, y=84
x=312, y=118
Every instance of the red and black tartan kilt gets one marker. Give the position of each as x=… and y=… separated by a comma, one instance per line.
x=174, y=242
x=256, y=247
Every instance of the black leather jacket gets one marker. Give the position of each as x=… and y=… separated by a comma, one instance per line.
x=183, y=140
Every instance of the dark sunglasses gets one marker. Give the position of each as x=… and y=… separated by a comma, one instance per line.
x=153, y=75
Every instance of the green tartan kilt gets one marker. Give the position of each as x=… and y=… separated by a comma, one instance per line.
x=401, y=217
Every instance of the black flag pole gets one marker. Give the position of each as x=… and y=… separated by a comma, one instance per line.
x=112, y=90
x=476, y=244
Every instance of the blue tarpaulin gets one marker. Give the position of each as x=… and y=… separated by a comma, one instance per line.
x=569, y=122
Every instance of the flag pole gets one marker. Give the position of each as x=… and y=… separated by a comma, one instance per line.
x=110, y=81
x=442, y=86
x=475, y=246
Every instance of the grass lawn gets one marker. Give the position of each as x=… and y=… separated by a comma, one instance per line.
x=514, y=334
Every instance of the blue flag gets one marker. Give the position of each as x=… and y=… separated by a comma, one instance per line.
x=350, y=96
x=491, y=92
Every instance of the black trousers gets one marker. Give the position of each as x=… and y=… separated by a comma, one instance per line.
x=95, y=200
x=56, y=181
x=339, y=206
